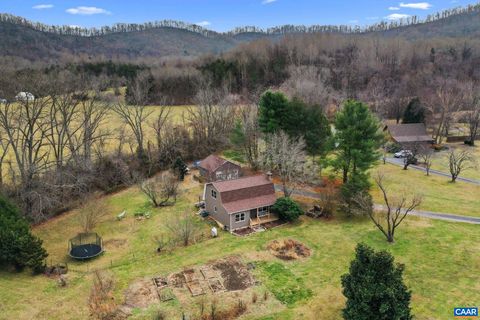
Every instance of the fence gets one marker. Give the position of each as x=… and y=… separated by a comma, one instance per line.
x=460, y=138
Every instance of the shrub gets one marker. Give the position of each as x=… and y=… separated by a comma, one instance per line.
x=374, y=287
x=287, y=209
x=18, y=247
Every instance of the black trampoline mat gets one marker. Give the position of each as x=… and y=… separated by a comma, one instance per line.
x=85, y=251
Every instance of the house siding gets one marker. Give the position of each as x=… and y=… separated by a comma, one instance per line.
x=227, y=171
x=241, y=224
x=210, y=203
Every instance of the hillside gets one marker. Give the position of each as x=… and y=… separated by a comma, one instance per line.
x=24, y=42
x=41, y=43
x=466, y=24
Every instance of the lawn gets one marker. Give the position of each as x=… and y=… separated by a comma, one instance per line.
x=442, y=261
x=441, y=163
x=440, y=195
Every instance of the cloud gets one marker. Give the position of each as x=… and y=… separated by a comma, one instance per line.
x=268, y=1
x=397, y=16
x=203, y=23
x=87, y=11
x=393, y=8
x=42, y=6
x=353, y=21
x=417, y=5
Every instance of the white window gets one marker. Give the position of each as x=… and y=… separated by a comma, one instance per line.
x=239, y=217
x=214, y=194
x=263, y=211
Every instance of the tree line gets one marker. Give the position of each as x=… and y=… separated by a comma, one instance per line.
x=278, y=30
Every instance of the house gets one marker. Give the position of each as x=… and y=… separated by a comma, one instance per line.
x=214, y=168
x=240, y=203
x=408, y=133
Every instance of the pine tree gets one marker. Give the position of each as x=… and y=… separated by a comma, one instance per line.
x=180, y=168
x=415, y=112
x=357, y=139
x=18, y=247
x=274, y=112
x=374, y=287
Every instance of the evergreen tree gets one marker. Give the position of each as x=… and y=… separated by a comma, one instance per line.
x=415, y=112
x=310, y=123
x=274, y=112
x=374, y=287
x=18, y=247
x=357, y=139
x=180, y=168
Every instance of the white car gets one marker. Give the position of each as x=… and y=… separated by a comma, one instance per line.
x=403, y=154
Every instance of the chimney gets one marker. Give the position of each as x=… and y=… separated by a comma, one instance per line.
x=269, y=175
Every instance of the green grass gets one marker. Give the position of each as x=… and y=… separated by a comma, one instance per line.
x=442, y=261
x=234, y=155
x=286, y=287
x=441, y=162
x=439, y=194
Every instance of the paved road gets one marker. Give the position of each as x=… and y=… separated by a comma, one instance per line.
x=399, y=162
x=420, y=213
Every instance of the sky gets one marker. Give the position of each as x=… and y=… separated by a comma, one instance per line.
x=222, y=15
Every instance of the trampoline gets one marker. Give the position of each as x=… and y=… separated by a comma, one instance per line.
x=85, y=246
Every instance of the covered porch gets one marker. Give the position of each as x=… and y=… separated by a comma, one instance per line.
x=261, y=215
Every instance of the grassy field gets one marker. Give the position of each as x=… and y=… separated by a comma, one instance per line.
x=440, y=195
x=442, y=261
x=441, y=163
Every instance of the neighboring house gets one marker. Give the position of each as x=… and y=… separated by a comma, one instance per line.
x=241, y=203
x=214, y=168
x=408, y=133
x=24, y=96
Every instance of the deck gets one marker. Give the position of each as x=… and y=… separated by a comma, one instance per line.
x=261, y=220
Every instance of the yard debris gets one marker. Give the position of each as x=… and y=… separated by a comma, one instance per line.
x=288, y=249
x=141, y=294
x=235, y=273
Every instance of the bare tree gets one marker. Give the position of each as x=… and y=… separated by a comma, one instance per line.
x=426, y=154
x=26, y=125
x=286, y=157
x=411, y=157
x=135, y=116
x=4, y=150
x=396, y=209
x=161, y=188
x=211, y=120
x=93, y=113
x=471, y=99
x=92, y=213
x=459, y=161
x=246, y=135
x=64, y=125
x=183, y=228
x=443, y=103
x=159, y=125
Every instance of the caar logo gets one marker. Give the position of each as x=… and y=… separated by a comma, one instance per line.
x=465, y=312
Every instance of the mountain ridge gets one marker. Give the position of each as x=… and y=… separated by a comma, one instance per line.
x=37, y=42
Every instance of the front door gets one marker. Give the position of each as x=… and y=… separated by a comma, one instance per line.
x=253, y=214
